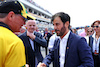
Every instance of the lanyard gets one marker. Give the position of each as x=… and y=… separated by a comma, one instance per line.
x=96, y=46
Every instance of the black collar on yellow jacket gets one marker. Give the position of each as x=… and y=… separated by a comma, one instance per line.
x=4, y=25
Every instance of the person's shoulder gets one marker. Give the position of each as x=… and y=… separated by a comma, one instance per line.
x=38, y=34
x=23, y=34
x=35, y=32
x=75, y=36
x=49, y=34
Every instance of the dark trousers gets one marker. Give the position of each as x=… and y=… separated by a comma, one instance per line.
x=32, y=61
x=96, y=60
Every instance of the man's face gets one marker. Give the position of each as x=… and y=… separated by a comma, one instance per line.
x=59, y=27
x=96, y=27
x=31, y=26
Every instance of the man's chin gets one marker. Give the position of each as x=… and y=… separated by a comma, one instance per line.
x=30, y=31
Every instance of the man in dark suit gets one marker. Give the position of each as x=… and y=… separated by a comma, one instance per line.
x=70, y=50
x=32, y=41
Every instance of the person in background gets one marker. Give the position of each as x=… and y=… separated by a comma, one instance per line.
x=51, y=41
x=37, y=29
x=84, y=33
x=79, y=30
x=47, y=36
x=74, y=30
x=32, y=41
x=22, y=30
x=94, y=42
x=90, y=32
x=12, y=51
x=70, y=50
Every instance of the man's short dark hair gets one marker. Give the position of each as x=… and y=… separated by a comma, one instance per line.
x=64, y=17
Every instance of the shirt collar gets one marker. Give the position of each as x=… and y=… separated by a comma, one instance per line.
x=4, y=25
x=66, y=36
x=94, y=35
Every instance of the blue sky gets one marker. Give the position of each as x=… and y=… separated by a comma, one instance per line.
x=82, y=12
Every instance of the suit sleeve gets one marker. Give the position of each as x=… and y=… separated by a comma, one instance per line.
x=39, y=39
x=50, y=57
x=85, y=54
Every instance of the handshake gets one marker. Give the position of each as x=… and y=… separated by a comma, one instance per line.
x=41, y=65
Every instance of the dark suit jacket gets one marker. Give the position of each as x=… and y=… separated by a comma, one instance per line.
x=91, y=42
x=77, y=54
x=39, y=41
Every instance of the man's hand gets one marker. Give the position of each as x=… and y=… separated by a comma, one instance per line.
x=31, y=35
x=45, y=35
x=41, y=65
x=26, y=65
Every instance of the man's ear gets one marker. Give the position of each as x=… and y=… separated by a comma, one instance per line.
x=10, y=15
x=67, y=24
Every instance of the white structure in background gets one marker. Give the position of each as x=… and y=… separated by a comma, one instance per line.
x=43, y=17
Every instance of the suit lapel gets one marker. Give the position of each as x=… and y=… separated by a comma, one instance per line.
x=57, y=42
x=56, y=51
x=26, y=38
x=91, y=42
x=68, y=46
x=27, y=41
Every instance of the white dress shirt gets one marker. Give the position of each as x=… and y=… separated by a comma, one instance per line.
x=62, y=49
x=95, y=43
x=32, y=44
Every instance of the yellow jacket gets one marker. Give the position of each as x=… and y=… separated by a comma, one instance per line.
x=12, y=51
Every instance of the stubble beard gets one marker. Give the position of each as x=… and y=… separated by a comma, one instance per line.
x=61, y=32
